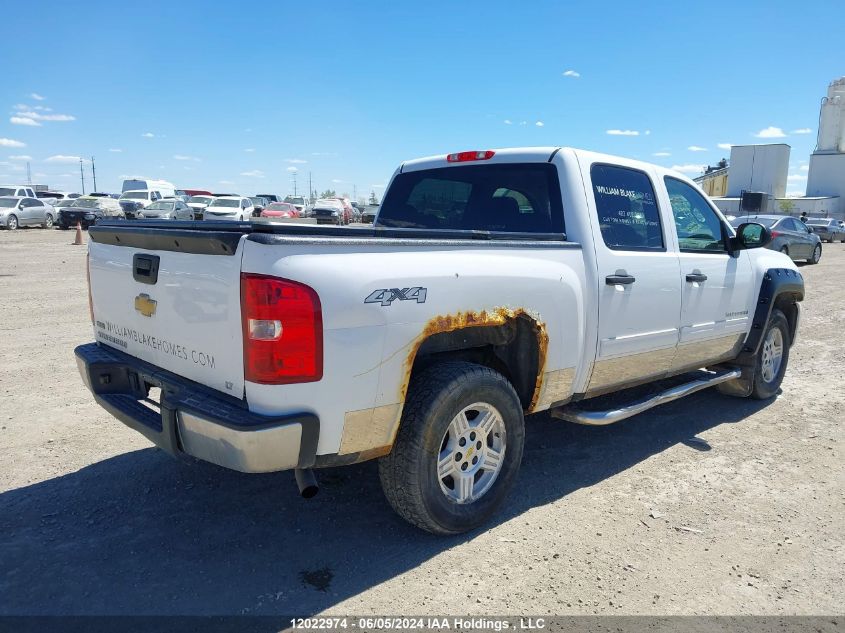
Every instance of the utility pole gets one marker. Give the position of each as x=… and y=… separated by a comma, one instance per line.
x=82, y=176
x=293, y=175
x=94, y=173
x=310, y=188
x=355, y=193
x=28, y=174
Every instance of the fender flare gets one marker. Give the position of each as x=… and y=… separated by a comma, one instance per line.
x=776, y=282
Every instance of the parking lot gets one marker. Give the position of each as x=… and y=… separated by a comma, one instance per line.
x=708, y=505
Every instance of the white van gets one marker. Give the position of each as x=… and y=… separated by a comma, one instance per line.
x=164, y=188
x=134, y=200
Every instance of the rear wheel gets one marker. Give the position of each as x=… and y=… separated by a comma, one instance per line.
x=458, y=449
x=48, y=222
x=772, y=357
x=817, y=255
x=12, y=222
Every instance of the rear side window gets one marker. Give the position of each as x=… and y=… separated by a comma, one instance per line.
x=515, y=198
x=627, y=208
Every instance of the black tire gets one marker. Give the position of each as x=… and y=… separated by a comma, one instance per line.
x=409, y=475
x=817, y=254
x=762, y=389
x=48, y=222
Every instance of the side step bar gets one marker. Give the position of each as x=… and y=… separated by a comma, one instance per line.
x=602, y=418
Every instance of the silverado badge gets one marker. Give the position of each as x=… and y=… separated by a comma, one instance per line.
x=145, y=305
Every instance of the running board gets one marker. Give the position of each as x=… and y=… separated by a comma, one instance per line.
x=602, y=418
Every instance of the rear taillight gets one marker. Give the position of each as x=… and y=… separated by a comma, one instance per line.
x=282, y=331
x=462, y=157
x=88, y=278
x=776, y=234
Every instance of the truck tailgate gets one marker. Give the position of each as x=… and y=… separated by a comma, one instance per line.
x=172, y=300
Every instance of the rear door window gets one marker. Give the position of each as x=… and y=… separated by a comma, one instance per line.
x=627, y=208
x=521, y=198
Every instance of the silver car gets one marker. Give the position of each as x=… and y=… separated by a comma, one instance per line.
x=827, y=229
x=18, y=211
x=790, y=236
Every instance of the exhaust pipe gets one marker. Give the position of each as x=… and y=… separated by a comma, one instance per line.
x=306, y=482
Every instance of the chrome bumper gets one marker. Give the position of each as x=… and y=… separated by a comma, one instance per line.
x=192, y=420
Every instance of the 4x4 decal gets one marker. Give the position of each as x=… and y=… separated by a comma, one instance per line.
x=386, y=296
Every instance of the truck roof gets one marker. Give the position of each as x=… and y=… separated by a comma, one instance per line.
x=541, y=154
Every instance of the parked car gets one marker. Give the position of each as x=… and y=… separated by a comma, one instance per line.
x=300, y=202
x=166, y=209
x=827, y=229
x=133, y=201
x=270, y=197
x=283, y=210
x=258, y=205
x=19, y=191
x=235, y=208
x=163, y=187
x=334, y=352
x=368, y=215
x=16, y=211
x=86, y=211
x=789, y=236
x=357, y=211
x=330, y=211
x=198, y=204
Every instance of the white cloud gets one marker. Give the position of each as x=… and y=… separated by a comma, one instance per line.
x=802, y=130
x=523, y=122
x=297, y=161
x=148, y=135
x=794, y=177
x=8, y=142
x=623, y=132
x=647, y=132
x=661, y=154
x=508, y=122
x=293, y=169
x=37, y=96
x=249, y=149
x=539, y=124
x=31, y=114
x=20, y=157
x=20, y=106
x=378, y=186
x=571, y=73
x=255, y=173
x=42, y=108
x=696, y=148
x=24, y=120
x=336, y=181
x=225, y=182
x=324, y=153
x=116, y=150
x=724, y=145
x=802, y=167
x=689, y=168
x=184, y=157
x=770, y=132
x=61, y=158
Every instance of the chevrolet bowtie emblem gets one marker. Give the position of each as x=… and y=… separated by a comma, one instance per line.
x=145, y=305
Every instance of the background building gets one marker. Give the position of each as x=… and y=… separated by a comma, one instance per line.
x=764, y=168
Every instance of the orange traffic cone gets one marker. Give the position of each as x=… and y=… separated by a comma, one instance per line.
x=77, y=241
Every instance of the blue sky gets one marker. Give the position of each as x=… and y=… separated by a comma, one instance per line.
x=233, y=96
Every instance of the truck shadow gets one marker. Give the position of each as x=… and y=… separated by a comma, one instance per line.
x=142, y=533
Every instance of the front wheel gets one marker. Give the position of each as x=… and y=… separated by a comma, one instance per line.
x=458, y=449
x=772, y=357
x=48, y=222
x=12, y=222
x=817, y=255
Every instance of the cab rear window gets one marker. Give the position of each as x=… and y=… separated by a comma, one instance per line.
x=515, y=198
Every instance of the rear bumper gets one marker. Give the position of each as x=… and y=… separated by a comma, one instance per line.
x=194, y=420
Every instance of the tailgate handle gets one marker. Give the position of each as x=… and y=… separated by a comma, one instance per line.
x=145, y=268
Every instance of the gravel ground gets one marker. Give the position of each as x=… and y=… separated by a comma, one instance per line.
x=709, y=505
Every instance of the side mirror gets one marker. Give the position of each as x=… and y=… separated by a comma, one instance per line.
x=810, y=229
x=751, y=235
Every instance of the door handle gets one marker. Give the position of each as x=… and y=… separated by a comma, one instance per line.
x=699, y=277
x=613, y=280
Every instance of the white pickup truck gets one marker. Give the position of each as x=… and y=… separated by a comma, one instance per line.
x=493, y=284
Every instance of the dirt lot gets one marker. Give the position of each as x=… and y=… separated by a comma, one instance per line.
x=708, y=505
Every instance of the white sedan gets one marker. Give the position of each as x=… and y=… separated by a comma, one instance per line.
x=235, y=208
